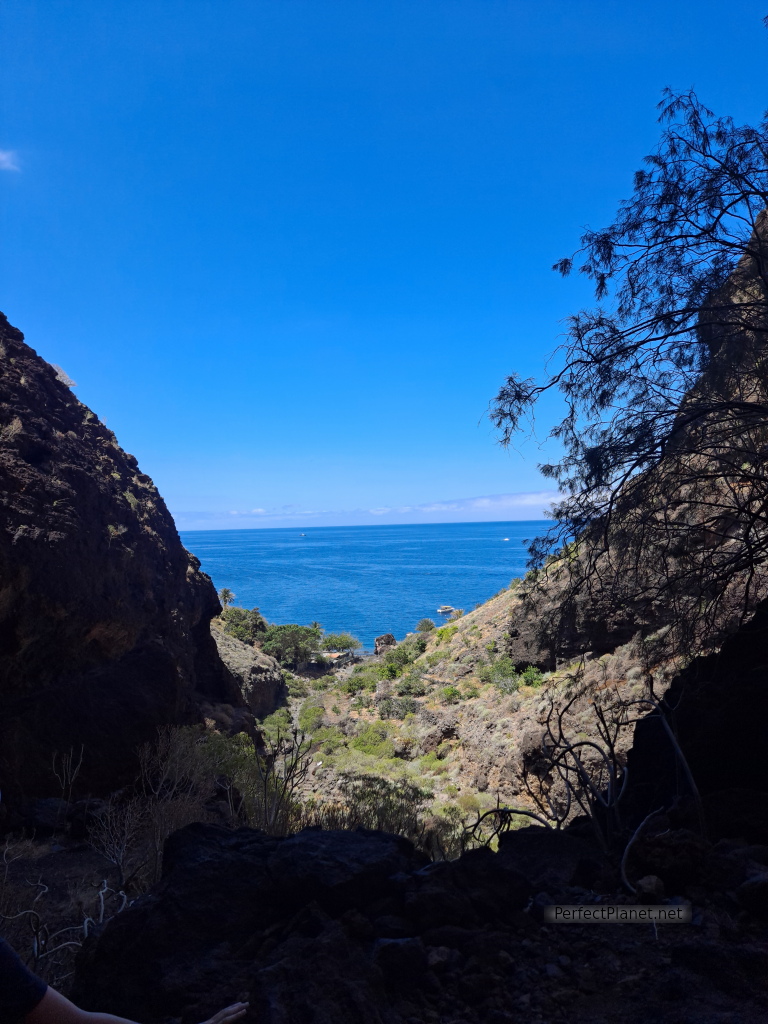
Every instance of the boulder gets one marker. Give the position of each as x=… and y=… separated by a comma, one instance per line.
x=383, y=643
x=320, y=926
x=258, y=677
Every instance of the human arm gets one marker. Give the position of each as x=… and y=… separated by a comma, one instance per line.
x=54, y=1008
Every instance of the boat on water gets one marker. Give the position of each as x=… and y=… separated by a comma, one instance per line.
x=445, y=609
x=302, y=535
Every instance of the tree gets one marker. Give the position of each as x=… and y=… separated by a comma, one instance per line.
x=341, y=642
x=291, y=644
x=665, y=384
x=425, y=625
x=226, y=597
x=245, y=624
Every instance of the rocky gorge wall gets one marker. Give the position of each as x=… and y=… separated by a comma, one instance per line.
x=104, y=616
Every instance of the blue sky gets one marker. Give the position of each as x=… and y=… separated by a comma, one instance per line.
x=289, y=248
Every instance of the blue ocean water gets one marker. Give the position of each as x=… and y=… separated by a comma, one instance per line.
x=365, y=580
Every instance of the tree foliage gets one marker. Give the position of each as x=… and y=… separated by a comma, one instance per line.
x=291, y=644
x=246, y=624
x=341, y=642
x=665, y=384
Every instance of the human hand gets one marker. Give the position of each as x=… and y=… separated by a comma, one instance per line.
x=228, y=1014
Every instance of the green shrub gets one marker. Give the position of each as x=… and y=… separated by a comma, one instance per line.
x=446, y=633
x=411, y=686
x=434, y=658
x=425, y=625
x=330, y=739
x=502, y=674
x=470, y=692
x=397, y=707
x=278, y=721
x=310, y=715
x=246, y=624
x=361, y=702
x=373, y=739
x=432, y=762
x=532, y=676
x=296, y=687
x=491, y=647
x=469, y=802
x=450, y=694
x=323, y=682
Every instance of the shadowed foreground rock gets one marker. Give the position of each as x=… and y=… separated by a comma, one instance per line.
x=357, y=928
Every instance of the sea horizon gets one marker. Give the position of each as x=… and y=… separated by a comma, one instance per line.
x=365, y=579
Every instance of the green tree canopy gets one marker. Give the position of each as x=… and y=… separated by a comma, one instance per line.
x=425, y=625
x=292, y=644
x=226, y=597
x=341, y=642
x=246, y=624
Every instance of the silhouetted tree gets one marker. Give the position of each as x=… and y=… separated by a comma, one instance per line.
x=665, y=383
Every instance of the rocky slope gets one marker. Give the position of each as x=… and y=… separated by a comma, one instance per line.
x=104, y=616
x=356, y=928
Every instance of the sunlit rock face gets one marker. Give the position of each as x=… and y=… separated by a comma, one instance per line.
x=104, y=616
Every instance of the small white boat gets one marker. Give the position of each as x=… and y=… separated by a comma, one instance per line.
x=503, y=538
x=445, y=609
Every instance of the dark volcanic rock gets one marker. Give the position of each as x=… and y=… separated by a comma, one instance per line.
x=104, y=616
x=258, y=677
x=719, y=713
x=234, y=910
x=355, y=928
x=383, y=643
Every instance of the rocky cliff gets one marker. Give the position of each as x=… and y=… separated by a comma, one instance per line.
x=104, y=616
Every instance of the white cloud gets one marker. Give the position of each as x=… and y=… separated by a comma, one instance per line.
x=9, y=160
x=485, y=508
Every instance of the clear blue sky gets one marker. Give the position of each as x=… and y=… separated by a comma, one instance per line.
x=289, y=248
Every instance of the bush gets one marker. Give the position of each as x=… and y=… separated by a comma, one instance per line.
x=393, y=707
x=411, y=686
x=457, y=613
x=311, y=716
x=425, y=625
x=278, y=721
x=432, y=762
x=502, y=674
x=323, y=683
x=330, y=739
x=450, y=694
x=246, y=624
x=296, y=687
x=373, y=739
x=446, y=633
x=532, y=676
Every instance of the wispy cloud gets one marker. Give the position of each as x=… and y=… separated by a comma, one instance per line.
x=9, y=160
x=486, y=508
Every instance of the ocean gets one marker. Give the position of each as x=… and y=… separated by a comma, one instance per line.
x=365, y=580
